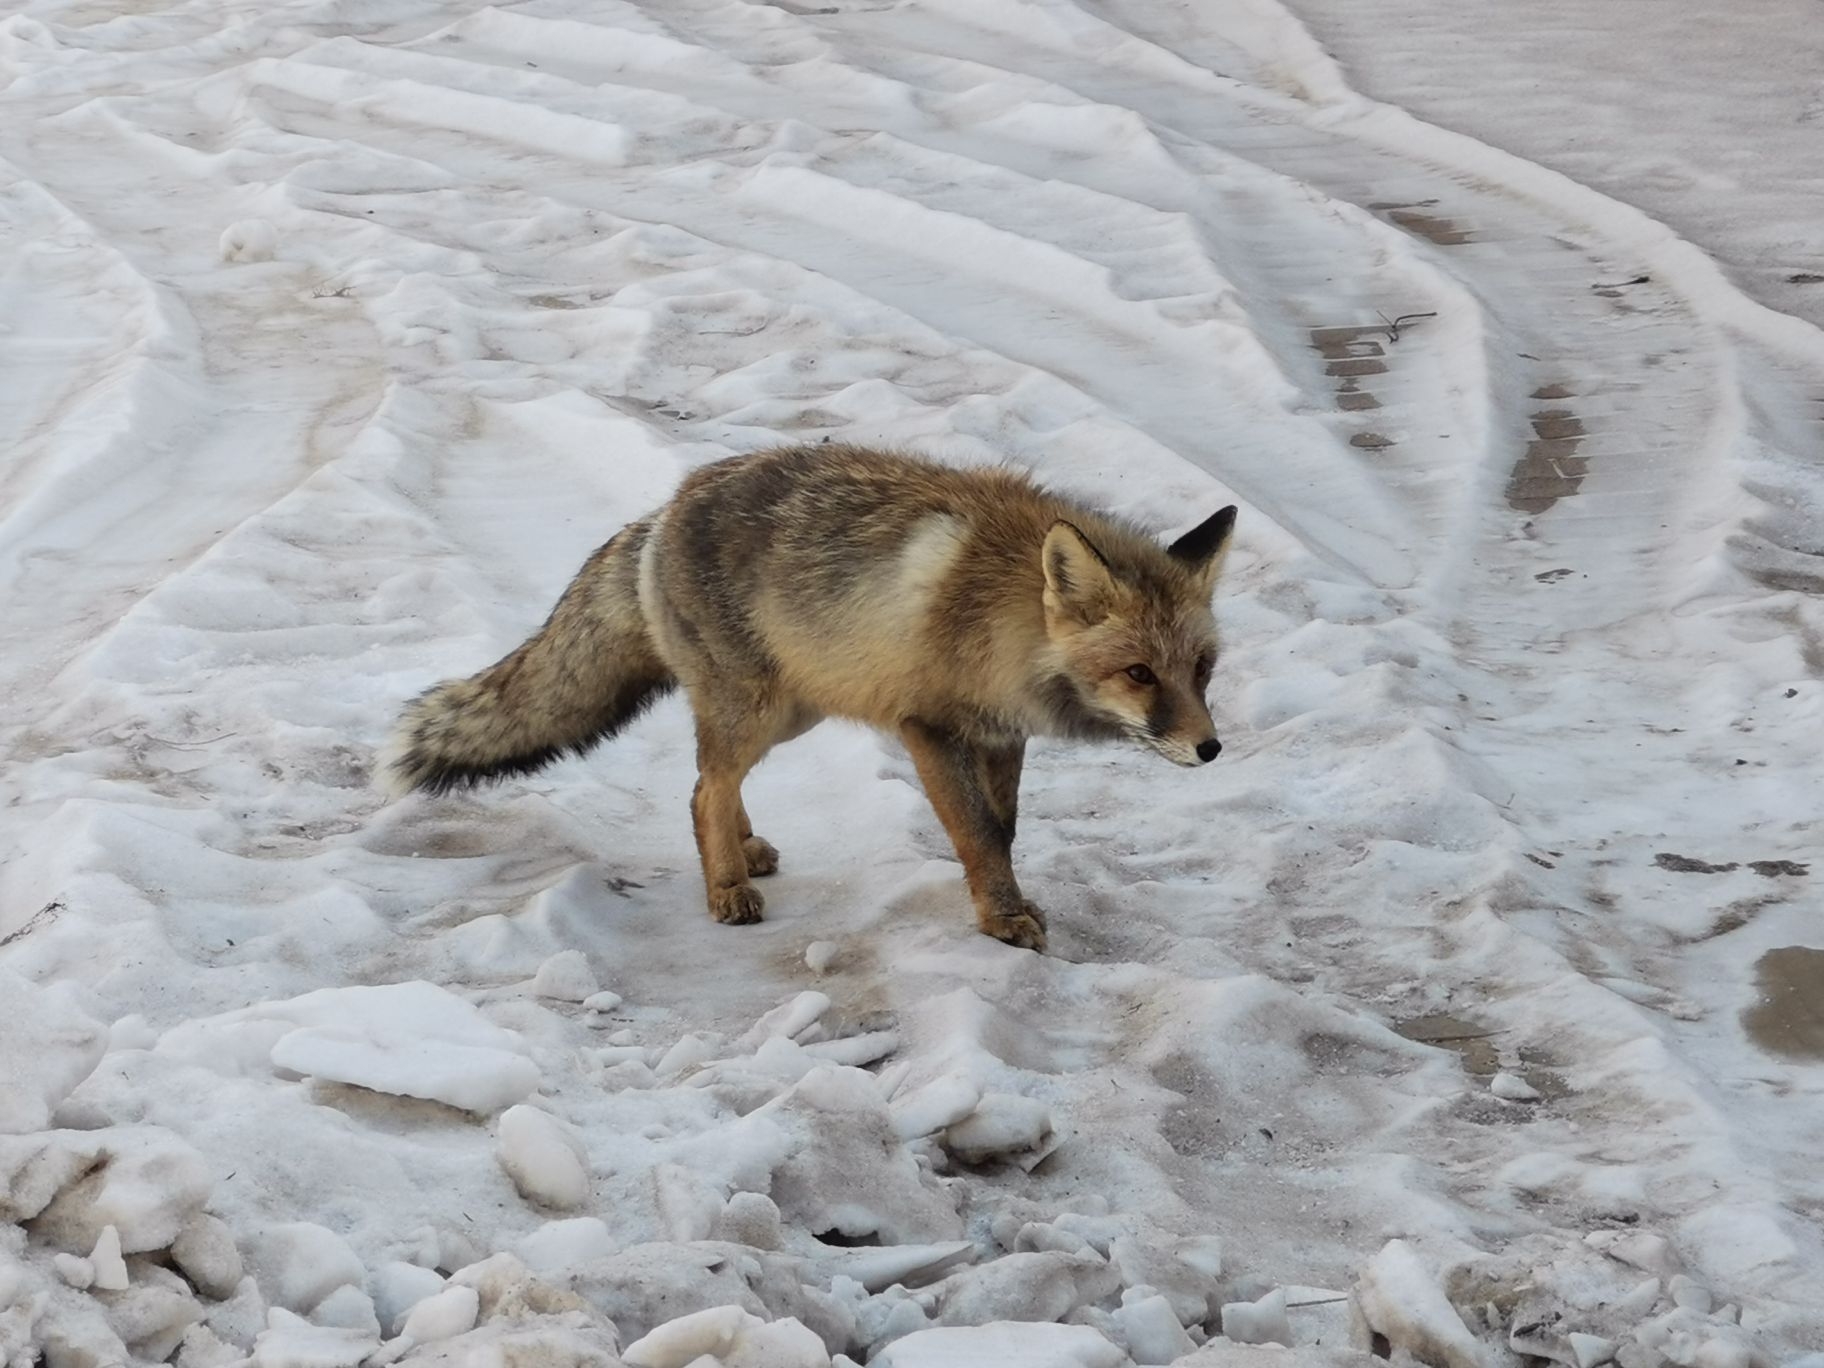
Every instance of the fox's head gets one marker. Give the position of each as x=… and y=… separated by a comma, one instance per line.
x=1134, y=636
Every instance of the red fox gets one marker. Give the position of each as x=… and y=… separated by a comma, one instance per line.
x=961, y=610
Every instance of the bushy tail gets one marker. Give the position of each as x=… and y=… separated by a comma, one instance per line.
x=588, y=672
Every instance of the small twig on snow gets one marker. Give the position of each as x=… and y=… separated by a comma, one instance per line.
x=44, y=916
x=1395, y=324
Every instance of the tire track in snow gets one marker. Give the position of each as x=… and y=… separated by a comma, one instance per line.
x=1639, y=414
x=1378, y=819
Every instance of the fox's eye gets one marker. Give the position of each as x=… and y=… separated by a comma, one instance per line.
x=1201, y=670
x=1140, y=674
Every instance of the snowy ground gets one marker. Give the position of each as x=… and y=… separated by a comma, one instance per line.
x=1467, y=1007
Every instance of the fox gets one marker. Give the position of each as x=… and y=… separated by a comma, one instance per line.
x=963, y=610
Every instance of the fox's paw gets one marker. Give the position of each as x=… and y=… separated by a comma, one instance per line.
x=736, y=905
x=762, y=858
x=1024, y=927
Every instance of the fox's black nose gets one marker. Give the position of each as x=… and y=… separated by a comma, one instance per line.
x=1209, y=750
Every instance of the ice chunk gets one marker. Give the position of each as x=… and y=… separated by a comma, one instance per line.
x=1036, y=1237
x=297, y=1264
x=151, y=1316
x=879, y=1268
x=687, y=1053
x=1034, y=1287
x=819, y=955
x=1153, y=1333
x=1258, y=1322
x=559, y=1244
x=940, y=1103
x=205, y=1253
x=566, y=977
x=1148, y=1263
x=248, y=240
x=1590, y=1350
x=201, y=1347
x=475, y=1078
x=836, y=1164
x=1202, y=1253
x=51, y=1046
x=347, y=1308
x=999, y=1345
x=728, y=1335
x=292, y=1342
x=451, y=1312
x=397, y=1287
x=77, y=1272
x=751, y=1218
x=1640, y=1249
x=602, y=1003
x=146, y=1183
x=1004, y=1124
x=1099, y=1230
x=688, y=1207
x=789, y=1019
x=410, y=1039
x=1398, y=1298
x=1512, y=1087
x=108, y=1268
x=854, y=1050
x=544, y=1157
x=1689, y=1293
x=506, y=1287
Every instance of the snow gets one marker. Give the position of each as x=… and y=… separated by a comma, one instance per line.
x=51, y=1046
x=1471, y=981
x=144, y=1182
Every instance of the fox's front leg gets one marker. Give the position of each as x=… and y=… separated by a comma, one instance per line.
x=975, y=792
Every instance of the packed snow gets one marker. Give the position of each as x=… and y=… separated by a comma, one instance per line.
x=1464, y=1012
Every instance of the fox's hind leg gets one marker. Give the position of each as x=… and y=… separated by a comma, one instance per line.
x=975, y=792
x=762, y=856
x=736, y=726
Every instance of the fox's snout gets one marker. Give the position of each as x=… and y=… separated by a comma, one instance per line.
x=1188, y=755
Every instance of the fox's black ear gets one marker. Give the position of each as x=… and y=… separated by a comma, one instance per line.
x=1202, y=547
